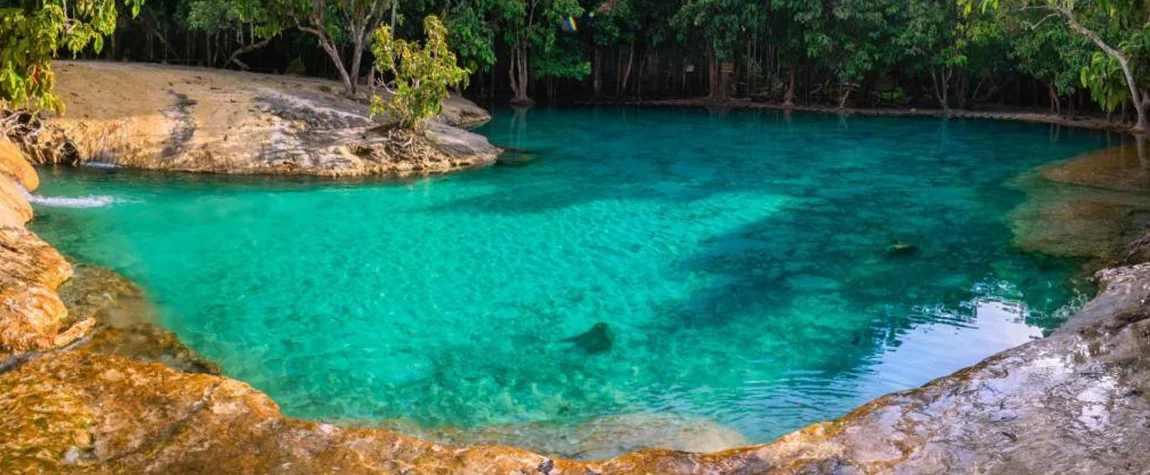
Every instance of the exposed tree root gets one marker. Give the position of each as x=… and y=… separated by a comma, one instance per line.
x=411, y=146
x=42, y=143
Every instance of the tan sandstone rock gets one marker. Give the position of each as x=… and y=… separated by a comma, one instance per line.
x=32, y=316
x=216, y=121
x=13, y=164
x=14, y=207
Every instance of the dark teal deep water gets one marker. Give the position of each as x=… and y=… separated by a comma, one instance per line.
x=740, y=260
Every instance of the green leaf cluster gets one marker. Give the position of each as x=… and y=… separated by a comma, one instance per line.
x=33, y=32
x=421, y=76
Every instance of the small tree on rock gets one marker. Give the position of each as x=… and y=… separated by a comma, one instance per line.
x=420, y=76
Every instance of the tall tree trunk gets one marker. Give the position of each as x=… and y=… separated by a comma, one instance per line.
x=618, y=73
x=941, y=80
x=627, y=71
x=518, y=75
x=715, y=76
x=639, y=78
x=963, y=90
x=356, y=58
x=394, y=4
x=1055, y=104
x=597, y=82
x=789, y=96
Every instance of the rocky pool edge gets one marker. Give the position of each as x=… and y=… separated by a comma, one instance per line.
x=1074, y=402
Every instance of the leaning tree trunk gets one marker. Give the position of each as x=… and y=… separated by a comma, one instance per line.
x=627, y=71
x=1140, y=103
x=328, y=45
x=845, y=94
x=235, y=57
x=1055, y=104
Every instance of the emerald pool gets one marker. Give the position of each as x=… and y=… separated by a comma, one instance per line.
x=741, y=259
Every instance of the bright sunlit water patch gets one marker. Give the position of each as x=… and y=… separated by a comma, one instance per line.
x=742, y=261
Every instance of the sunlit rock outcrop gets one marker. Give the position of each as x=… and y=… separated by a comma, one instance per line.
x=32, y=316
x=217, y=121
x=13, y=164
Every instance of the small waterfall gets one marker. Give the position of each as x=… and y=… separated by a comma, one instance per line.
x=68, y=202
x=101, y=165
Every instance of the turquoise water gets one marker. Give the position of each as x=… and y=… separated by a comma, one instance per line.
x=740, y=259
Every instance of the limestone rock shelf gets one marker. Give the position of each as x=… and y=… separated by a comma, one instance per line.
x=203, y=120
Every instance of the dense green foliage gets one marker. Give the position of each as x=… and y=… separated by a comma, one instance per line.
x=32, y=32
x=1119, y=69
x=421, y=76
x=1061, y=54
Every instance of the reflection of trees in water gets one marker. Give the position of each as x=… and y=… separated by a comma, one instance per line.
x=517, y=127
x=1140, y=140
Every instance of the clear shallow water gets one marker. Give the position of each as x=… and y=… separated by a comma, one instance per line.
x=740, y=259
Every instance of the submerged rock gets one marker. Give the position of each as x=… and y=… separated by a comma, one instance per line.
x=596, y=340
x=126, y=321
x=1124, y=167
x=1106, y=208
x=516, y=158
x=899, y=248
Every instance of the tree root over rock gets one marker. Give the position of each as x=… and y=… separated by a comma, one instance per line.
x=401, y=151
x=42, y=144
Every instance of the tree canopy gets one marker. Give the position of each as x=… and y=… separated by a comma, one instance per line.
x=1070, y=56
x=32, y=32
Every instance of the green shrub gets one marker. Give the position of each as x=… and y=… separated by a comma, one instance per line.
x=420, y=76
